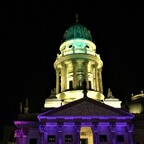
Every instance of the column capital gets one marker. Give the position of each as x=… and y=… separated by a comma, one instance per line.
x=60, y=127
x=60, y=124
x=42, y=128
x=78, y=126
x=129, y=127
x=18, y=133
x=95, y=127
x=112, y=126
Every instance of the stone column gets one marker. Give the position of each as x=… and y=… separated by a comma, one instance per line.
x=41, y=138
x=63, y=73
x=93, y=78
x=57, y=81
x=129, y=129
x=96, y=80
x=18, y=136
x=74, y=75
x=42, y=129
x=86, y=74
x=20, y=139
x=113, y=135
x=60, y=129
x=100, y=80
x=66, y=77
x=95, y=133
x=25, y=136
x=78, y=128
x=25, y=140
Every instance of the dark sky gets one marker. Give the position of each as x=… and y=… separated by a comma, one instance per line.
x=32, y=34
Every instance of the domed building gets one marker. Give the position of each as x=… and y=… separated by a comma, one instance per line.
x=136, y=107
x=137, y=103
x=77, y=112
x=77, y=62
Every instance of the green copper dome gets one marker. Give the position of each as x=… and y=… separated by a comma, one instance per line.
x=77, y=31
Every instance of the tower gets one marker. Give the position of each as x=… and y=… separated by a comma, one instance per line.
x=78, y=61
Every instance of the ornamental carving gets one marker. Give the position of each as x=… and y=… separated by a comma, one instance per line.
x=129, y=128
x=42, y=128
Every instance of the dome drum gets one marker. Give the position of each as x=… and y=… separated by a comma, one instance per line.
x=78, y=46
x=77, y=94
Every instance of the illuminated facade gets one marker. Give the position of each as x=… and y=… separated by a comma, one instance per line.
x=77, y=112
x=136, y=107
x=78, y=61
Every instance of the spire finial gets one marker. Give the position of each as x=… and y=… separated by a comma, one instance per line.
x=77, y=17
x=20, y=107
x=132, y=94
x=26, y=108
x=27, y=102
x=109, y=93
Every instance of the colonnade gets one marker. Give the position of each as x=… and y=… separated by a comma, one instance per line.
x=22, y=136
x=81, y=69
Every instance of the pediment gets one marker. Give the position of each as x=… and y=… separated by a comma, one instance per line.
x=85, y=107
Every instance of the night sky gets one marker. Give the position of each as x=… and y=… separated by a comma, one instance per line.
x=33, y=32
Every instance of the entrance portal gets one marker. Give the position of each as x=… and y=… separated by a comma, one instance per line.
x=84, y=141
x=86, y=135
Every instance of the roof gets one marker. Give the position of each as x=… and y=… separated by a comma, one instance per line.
x=85, y=107
x=77, y=31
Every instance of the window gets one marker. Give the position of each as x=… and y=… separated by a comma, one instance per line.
x=70, y=46
x=33, y=141
x=51, y=138
x=103, y=138
x=120, y=138
x=68, y=138
x=87, y=46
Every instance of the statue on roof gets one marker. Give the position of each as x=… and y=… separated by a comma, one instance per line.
x=53, y=93
x=109, y=94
